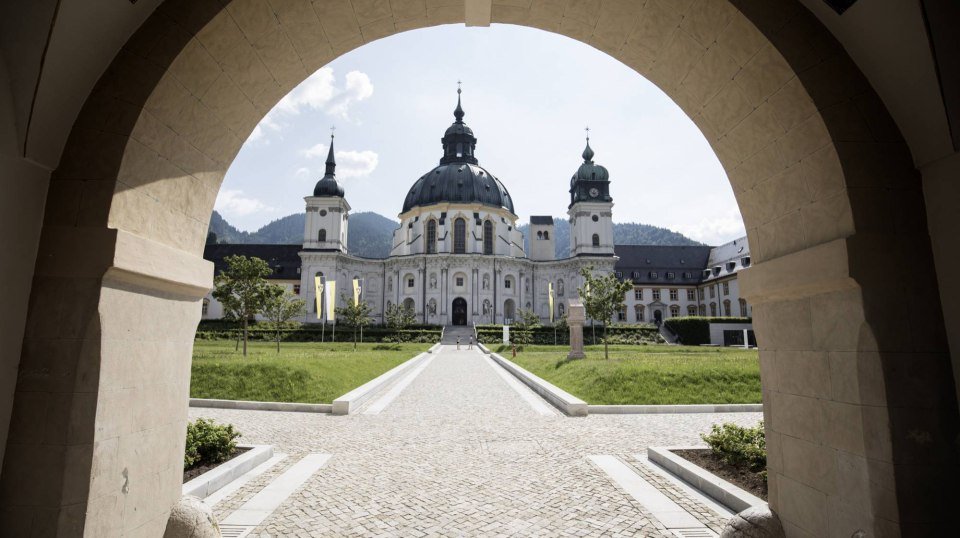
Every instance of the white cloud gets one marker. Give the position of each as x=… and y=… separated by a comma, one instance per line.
x=302, y=172
x=713, y=231
x=233, y=203
x=349, y=163
x=320, y=92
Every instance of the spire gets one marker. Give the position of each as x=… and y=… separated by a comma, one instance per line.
x=331, y=163
x=587, y=151
x=458, y=112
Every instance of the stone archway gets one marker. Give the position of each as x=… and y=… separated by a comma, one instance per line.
x=829, y=196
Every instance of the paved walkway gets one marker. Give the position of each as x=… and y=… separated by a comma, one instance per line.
x=460, y=452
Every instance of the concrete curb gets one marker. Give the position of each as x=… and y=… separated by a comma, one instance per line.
x=657, y=409
x=261, y=406
x=434, y=347
x=734, y=498
x=351, y=401
x=214, y=479
x=562, y=400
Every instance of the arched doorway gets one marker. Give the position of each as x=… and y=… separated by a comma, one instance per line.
x=458, y=311
x=657, y=317
x=509, y=311
x=822, y=177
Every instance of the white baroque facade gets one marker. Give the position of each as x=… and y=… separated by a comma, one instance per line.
x=458, y=258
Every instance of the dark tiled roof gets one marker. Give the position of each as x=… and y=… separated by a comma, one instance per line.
x=650, y=264
x=541, y=220
x=284, y=259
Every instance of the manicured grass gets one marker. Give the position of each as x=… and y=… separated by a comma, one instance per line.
x=304, y=372
x=652, y=374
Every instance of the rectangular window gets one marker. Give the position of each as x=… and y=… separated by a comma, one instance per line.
x=701, y=294
x=726, y=288
x=691, y=295
x=459, y=281
x=638, y=294
x=506, y=283
x=296, y=289
x=674, y=295
x=622, y=314
x=713, y=292
x=656, y=294
x=410, y=282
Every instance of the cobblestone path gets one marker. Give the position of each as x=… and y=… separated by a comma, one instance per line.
x=460, y=453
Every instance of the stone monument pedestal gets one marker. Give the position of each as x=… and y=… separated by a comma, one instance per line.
x=576, y=316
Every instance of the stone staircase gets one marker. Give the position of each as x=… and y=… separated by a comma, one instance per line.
x=451, y=332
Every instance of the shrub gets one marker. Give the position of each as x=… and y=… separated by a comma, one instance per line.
x=208, y=442
x=387, y=347
x=739, y=446
x=695, y=330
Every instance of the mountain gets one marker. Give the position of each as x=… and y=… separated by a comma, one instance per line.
x=371, y=234
x=624, y=233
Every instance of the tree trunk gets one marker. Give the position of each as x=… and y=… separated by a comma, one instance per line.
x=606, y=350
x=245, y=336
x=237, y=347
x=278, y=338
x=354, y=338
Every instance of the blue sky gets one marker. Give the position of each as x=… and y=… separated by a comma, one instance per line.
x=528, y=94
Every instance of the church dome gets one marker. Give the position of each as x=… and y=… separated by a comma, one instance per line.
x=459, y=178
x=328, y=185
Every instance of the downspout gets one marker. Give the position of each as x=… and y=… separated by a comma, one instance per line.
x=495, y=278
x=383, y=295
x=423, y=285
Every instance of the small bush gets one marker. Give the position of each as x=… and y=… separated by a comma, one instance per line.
x=739, y=446
x=387, y=347
x=208, y=442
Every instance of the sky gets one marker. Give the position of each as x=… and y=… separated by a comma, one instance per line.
x=528, y=96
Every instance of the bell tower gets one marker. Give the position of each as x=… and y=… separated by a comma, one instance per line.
x=327, y=212
x=591, y=208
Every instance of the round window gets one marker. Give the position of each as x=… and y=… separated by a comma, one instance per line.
x=323, y=212
x=595, y=218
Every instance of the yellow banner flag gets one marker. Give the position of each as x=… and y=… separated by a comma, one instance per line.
x=550, y=299
x=357, y=290
x=331, y=299
x=318, y=287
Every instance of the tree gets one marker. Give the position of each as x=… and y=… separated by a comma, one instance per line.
x=242, y=289
x=353, y=315
x=281, y=306
x=399, y=317
x=528, y=319
x=602, y=297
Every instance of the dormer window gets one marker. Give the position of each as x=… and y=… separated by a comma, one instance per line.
x=731, y=266
x=745, y=261
x=706, y=273
x=636, y=274
x=619, y=274
x=716, y=271
x=687, y=275
x=671, y=276
x=653, y=274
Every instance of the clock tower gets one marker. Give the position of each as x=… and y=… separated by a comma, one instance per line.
x=590, y=210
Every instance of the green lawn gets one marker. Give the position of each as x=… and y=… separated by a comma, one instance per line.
x=305, y=372
x=653, y=374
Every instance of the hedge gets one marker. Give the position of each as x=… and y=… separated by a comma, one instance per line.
x=342, y=334
x=224, y=325
x=616, y=334
x=695, y=330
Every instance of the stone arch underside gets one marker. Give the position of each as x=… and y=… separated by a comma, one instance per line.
x=829, y=196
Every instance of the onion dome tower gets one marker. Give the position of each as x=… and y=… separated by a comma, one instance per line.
x=459, y=178
x=325, y=227
x=590, y=210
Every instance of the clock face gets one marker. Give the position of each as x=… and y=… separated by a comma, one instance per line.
x=594, y=192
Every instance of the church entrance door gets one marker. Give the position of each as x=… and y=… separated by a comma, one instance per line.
x=459, y=311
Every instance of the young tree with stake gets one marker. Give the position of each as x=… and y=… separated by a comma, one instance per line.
x=281, y=306
x=602, y=297
x=242, y=289
x=354, y=314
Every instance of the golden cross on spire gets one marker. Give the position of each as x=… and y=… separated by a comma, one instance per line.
x=458, y=86
x=332, y=129
x=587, y=129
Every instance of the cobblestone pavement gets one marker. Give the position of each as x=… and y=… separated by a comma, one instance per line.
x=460, y=453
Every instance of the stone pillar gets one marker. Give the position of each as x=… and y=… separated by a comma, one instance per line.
x=576, y=315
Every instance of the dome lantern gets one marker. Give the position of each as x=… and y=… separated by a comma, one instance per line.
x=328, y=185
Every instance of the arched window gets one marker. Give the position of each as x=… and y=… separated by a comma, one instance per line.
x=691, y=310
x=713, y=309
x=596, y=240
x=206, y=306
x=409, y=305
x=432, y=237
x=546, y=235
x=322, y=235
x=743, y=308
x=726, y=308
x=539, y=235
x=459, y=236
x=703, y=310
x=638, y=310
x=674, y=310
x=487, y=237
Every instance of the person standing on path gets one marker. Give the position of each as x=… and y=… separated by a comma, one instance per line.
x=470, y=343
x=458, y=343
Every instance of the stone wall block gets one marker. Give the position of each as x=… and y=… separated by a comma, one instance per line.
x=254, y=17
x=797, y=416
x=791, y=104
x=354, y=42
x=802, y=505
x=95, y=155
x=232, y=107
x=804, y=139
x=810, y=463
x=783, y=235
x=779, y=194
x=769, y=370
x=876, y=433
x=370, y=11
x=803, y=373
x=195, y=68
x=714, y=70
x=761, y=165
x=585, y=11
x=615, y=22
x=832, y=81
x=706, y=19
x=729, y=107
x=823, y=173
x=762, y=76
x=222, y=38
x=404, y=10
x=838, y=321
x=741, y=39
x=191, y=15
x=63, y=203
x=774, y=440
x=675, y=60
x=845, y=427
x=378, y=30
x=575, y=29
x=338, y=19
x=827, y=219
x=758, y=130
x=656, y=23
